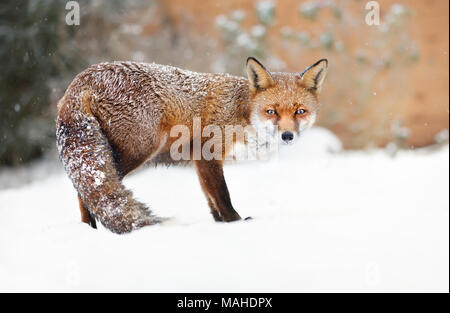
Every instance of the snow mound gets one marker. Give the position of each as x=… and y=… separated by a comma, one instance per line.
x=312, y=143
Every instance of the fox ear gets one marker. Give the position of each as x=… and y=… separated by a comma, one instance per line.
x=258, y=76
x=312, y=78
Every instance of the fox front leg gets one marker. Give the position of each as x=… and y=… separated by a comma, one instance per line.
x=214, y=212
x=215, y=188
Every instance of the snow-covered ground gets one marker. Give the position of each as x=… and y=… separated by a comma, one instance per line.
x=352, y=221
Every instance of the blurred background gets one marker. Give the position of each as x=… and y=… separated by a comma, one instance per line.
x=387, y=84
x=374, y=217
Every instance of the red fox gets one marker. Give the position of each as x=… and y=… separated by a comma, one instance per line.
x=116, y=116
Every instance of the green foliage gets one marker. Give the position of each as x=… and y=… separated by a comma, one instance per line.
x=29, y=40
x=265, y=10
x=39, y=50
x=309, y=10
x=240, y=43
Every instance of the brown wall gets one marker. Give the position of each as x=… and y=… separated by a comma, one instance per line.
x=395, y=74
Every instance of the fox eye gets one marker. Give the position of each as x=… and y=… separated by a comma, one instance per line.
x=300, y=111
x=270, y=112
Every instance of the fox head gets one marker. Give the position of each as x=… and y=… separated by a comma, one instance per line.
x=284, y=104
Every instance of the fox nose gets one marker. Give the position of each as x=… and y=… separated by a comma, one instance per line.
x=287, y=136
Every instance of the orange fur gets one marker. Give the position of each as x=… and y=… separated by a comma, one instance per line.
x=116, y=116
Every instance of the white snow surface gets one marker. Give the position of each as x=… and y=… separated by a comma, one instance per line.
x=324, y=220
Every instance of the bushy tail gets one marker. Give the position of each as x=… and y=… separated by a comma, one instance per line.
x=88, y=160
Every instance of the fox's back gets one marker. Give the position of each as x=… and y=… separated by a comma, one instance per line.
x=152, y=87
